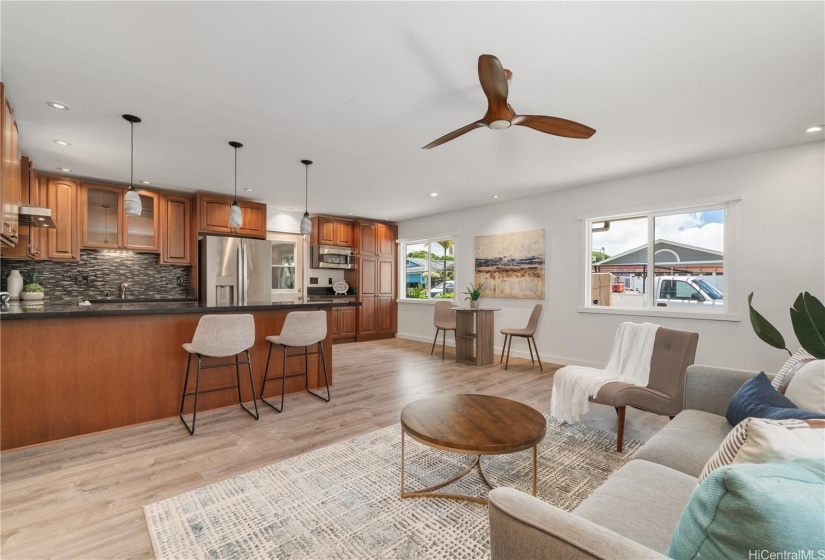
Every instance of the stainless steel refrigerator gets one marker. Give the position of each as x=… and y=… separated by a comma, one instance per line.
x=235, y=271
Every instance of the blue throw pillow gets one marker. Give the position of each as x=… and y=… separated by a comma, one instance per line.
x=767, y=510
x=757, y=398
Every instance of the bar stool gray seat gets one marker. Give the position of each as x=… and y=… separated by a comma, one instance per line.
x=444, y=320
x=528, y=333
x=301, y=329
x=220, y=336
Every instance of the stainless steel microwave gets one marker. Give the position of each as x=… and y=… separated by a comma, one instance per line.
x=326, y=256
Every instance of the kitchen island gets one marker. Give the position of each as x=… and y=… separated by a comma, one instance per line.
x=70, y=370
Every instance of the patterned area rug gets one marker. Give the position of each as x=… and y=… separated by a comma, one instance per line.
x=342, y=501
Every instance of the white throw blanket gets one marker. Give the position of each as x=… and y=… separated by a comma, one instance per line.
x=629, y=362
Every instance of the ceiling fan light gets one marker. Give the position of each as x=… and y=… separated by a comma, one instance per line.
x=500, y=125
x=306, y=224
x=235, y=216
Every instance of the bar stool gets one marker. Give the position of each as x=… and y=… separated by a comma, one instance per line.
x=220, y=336
x=301, y=329
x=527, y=332
x=444, y=320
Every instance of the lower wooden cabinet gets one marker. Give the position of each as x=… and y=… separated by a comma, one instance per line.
x=344, y=323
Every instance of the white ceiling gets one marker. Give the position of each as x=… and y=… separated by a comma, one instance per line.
x=360, y=87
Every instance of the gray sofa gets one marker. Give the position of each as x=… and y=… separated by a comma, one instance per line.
x=634, y=513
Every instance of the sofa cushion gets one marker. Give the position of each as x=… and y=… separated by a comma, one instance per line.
x=687, y=442
x=796, y=357
x=806, y=389
x=757, y=398
x=756, y=440
x=740, y=509
x=641, y=501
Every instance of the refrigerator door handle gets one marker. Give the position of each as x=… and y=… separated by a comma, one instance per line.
x=245, y=276
x=240, y=294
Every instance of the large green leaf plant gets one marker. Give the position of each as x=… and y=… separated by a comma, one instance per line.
x=808, y=320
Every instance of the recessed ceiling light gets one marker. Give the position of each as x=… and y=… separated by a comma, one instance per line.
x=495, y=196
x=433, y=194
x=65, y=169
x=349, y=213
x=56, y=105
x=145, y=182
x=249, y=190
x=814, y=128
x=62, y=143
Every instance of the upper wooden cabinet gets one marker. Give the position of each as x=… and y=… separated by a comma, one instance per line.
x=367, y=238
x=386, y=237
x=31, y=240
x=104, y=225
x=63, y=242
x=213, y=216
x=175, y=224
x=9, y=174
x=331, y=231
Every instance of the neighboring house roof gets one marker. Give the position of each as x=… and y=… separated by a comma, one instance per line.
x=666, y=252
x=415, y=265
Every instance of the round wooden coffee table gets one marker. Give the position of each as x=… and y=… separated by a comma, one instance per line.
x=471, y=425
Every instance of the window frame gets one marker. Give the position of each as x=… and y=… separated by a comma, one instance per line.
x=727, y=203
x=402, y=251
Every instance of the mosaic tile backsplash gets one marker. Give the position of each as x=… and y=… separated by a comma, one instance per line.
x=106, y=271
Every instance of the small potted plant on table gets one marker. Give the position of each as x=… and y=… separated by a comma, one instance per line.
x=473, y=294
x=32, y=288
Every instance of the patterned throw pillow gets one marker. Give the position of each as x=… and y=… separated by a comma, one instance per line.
x=756, y=440
x=797, y=356
x=807, y=387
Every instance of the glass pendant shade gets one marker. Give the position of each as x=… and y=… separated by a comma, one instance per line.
x=235, y=216
x=131, y=202
x=306, y=224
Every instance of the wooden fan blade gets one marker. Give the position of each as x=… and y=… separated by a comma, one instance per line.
x=493, y=80
x=454, y=134
x=554, y=125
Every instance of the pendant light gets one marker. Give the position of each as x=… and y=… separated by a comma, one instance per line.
x=131, y=202
x=235, y=216
x=306, y=222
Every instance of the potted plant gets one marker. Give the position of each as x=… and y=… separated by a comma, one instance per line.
x=473, y=294
x=32, y=288
x=808, y=319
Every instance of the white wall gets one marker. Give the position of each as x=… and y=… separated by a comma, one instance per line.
x=781, y=252
x=283, y=221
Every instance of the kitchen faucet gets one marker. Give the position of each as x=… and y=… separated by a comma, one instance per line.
x=123, y=290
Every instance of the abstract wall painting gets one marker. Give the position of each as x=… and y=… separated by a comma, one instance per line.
x=511, y=265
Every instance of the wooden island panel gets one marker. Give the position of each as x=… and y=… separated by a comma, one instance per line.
x=64, y=377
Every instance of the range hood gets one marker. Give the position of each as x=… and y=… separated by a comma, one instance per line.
x=35, y=216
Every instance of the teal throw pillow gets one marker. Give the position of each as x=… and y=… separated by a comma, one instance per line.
x=739, y=511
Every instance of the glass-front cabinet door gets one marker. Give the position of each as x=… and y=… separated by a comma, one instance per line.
x=101, y=217
x=287, y=267
x=143, y=232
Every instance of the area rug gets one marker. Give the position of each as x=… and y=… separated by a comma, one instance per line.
x=342, y=501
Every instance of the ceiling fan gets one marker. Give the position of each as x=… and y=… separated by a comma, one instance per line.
x=501, y=115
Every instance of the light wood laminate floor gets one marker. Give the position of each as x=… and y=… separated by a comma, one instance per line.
x=84, y=498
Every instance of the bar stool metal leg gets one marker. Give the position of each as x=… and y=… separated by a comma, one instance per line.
x=266, y=377
x=326, y=379
x=251, y=385
x=195, y=394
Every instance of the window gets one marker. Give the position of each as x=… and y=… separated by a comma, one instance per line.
x=428, y=269
x=283, y=266
x=660, y=261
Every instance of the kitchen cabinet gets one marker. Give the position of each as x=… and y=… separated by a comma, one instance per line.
x=175, y=224
x=375, y=279
x=343, y=323
x=331, y=231
x=62, y=195
x=213, y=216
x=104, y=224
x=9, y=174
x=31, y=240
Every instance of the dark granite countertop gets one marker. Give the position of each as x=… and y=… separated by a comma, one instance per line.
x=110, y=308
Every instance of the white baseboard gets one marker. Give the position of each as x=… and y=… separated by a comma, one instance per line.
x=517, y=353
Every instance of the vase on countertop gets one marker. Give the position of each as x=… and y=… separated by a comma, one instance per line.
x=474, y=304
x=14, y=284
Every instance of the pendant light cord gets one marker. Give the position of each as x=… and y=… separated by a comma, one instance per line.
x=236, y=176
x=132, y=161
x=306, y=190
